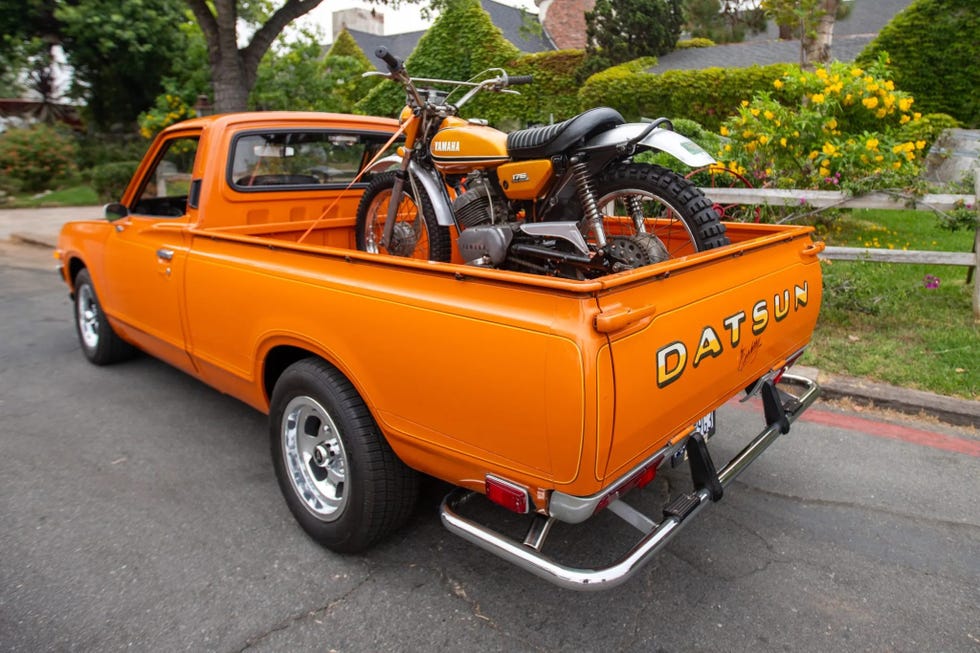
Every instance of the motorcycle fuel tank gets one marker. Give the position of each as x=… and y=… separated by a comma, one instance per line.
x=461, y=146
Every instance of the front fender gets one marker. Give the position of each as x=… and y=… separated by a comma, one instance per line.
x=436, y=189
x=664, y=140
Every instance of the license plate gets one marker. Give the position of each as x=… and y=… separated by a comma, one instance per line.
x=706, y=425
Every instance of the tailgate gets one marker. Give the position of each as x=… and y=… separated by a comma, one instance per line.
x=685, y=341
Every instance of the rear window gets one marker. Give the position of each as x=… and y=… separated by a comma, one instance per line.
x=305, y=159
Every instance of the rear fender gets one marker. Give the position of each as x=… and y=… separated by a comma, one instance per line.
x=663, y=140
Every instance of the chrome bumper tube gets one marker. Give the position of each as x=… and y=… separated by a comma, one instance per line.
x=529, y=558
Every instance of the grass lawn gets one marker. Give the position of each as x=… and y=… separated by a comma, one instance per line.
x=908, y=325
x=73, y=196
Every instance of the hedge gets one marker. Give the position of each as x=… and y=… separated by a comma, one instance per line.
x=110, y=179
x=551, y=98
x=933, y=53
x=708, y=96
x=36, y=158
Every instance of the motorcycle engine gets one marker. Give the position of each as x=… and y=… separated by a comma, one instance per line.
x=479, y=205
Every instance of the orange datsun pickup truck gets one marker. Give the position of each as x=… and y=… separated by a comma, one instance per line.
x=232, y=257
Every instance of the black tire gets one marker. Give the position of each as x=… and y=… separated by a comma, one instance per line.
x=413, y=237
x=664, y=195
x=100, y=344
x=341, y=480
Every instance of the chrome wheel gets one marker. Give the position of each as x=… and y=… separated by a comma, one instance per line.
x=316, y=461
x=415, y=234
x=639, y=211
x=408, y=237
x=88, y=316
x=637, y=199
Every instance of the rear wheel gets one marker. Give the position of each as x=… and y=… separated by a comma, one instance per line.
x=99, y=342
x=341, y=480
x=639, y=199
x=416, y=234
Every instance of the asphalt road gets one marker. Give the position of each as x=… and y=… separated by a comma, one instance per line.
x=139, y=510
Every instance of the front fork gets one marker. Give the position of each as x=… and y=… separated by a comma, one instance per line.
x=396, y=197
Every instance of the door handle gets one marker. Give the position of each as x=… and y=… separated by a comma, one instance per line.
x=165, y=254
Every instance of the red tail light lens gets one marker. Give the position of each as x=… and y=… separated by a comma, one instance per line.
x=641, y=478
x=507, y=494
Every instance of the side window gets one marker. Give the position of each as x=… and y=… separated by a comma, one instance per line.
x=269, y=161
x=165, y=188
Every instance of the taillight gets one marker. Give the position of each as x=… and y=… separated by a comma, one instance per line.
x=641, y=478
x=507, y=494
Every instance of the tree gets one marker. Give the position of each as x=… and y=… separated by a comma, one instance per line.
x=462, y=42
x=622, y=30
x=27, y=49
x=118, y=52
x=813, y=22
x=722, y=21
x=234, y=70
x=298, y=77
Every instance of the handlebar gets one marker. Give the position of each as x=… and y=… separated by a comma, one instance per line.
x=397, y=73
x=394, y=65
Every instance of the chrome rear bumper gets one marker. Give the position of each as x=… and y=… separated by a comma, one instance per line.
x=781, y=409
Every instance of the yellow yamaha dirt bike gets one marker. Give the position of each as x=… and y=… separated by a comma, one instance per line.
x=563, y=200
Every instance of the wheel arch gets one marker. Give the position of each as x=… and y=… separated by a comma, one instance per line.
x=277, y=359
x=279, y=353
x=74, y=265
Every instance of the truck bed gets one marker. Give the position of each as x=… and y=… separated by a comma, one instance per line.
x=651, y=344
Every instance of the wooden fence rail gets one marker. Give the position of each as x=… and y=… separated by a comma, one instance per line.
x=835, y=199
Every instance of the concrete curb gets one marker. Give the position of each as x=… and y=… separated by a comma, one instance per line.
x=952, y=410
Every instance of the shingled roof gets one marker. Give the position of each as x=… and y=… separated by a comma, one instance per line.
x=851, y=36
x=515, y=23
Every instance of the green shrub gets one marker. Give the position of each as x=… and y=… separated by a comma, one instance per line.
x=98, y=149
x=37, y=157
x=709, y=96
x=110, y=179
x=928, y=128
x=551, y=98
x=934, y=50
x=461, y=43
x=698, y=42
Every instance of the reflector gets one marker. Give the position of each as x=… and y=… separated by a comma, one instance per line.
x=507, y=494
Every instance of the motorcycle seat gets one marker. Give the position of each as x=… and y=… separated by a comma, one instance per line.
x=543, y=142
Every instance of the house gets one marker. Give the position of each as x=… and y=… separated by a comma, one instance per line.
x=517, y=25
x=563, y=23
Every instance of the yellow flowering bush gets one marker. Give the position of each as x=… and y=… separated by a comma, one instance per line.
x=169, y=109
x=839, y=124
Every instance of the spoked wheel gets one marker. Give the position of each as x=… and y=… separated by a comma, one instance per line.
x=639, y=199
x=340, y=478
x=416, y=232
